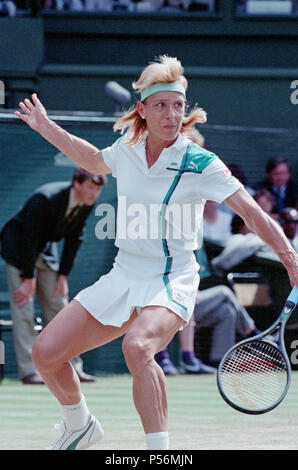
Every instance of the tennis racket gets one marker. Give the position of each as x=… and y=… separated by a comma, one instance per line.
x=254, y=375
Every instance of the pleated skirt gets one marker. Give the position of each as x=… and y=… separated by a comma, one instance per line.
x=136, y=282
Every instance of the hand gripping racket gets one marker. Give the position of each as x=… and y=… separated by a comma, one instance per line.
x=254, y=375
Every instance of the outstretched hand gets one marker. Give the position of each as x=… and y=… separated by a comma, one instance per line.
x=33, y=112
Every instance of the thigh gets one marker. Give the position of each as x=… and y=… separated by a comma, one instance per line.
x=155, y=327
x=74, y=331
x=14, y=279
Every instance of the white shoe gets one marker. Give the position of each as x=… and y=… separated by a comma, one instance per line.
x=78, y=440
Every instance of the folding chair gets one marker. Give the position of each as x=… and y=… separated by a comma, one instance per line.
x=253, y=292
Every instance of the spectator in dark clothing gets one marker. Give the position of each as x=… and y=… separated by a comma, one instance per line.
x=280, y=183
x=56, y=211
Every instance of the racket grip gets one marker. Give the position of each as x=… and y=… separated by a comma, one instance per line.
x=293, y=297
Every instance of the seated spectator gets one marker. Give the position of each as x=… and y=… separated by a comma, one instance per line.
x=121, y=5
x=148, y=5
x=241, y=245
x=171, y=5
x=288, y=220
x=219, y=308
x=216, y=307
x=266, y=201
x=216, y=223
x=175, y=5
x=280, y=183
x=74, y=5
x=88, y=5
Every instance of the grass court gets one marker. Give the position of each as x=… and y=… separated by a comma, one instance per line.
x=198, y=417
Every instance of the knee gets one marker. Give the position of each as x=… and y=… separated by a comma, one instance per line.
x=226, y=293
x=42, y=353
x=137, y=354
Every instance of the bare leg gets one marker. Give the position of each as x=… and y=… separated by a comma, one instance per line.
x=72, y=332
x=148, y=334
x=186, y=336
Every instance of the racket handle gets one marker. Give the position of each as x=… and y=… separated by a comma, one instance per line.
x=293, y=297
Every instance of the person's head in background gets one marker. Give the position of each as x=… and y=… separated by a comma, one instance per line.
x=87, y=186
x=265, y=199
x=278, y=171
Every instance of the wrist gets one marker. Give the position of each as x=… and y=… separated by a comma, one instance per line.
x=31, y=280
x=45, y=124
x=62, y=276
x=289, y=259
x=30, y=283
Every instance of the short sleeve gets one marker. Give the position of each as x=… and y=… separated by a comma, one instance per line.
x=217, y=182
x=110, y=156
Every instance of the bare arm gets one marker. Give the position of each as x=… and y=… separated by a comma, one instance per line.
x=80, y=151
x=267, y=229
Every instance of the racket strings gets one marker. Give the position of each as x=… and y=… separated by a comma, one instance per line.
x=254, y=375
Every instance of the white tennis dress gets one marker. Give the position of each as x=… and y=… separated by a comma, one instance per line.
x=160, y=210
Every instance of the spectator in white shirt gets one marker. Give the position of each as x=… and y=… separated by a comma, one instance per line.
x=241, y=245
x=216, y=223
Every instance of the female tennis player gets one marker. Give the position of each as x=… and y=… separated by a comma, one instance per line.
x=150, y=292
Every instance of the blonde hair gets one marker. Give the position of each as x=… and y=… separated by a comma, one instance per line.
x=164, y=70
